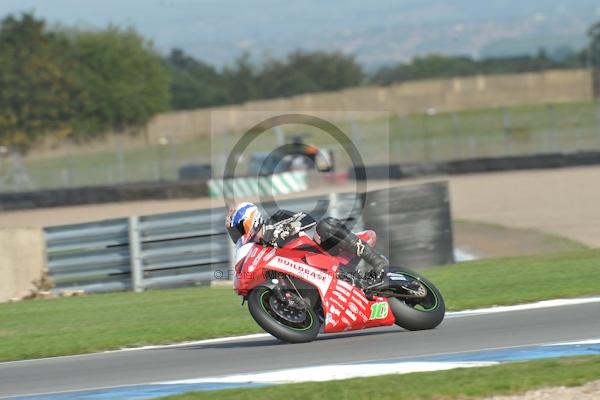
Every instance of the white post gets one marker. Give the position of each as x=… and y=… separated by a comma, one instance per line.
x=280, y=134
x=120, y=161
x=456, y=136
x=135, y=254
x=334, y=205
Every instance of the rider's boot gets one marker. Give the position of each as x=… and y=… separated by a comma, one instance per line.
x=334, y=232
x=375, y=277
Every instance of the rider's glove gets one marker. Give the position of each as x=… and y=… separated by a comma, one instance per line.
x=376, y=275
x=277, y=233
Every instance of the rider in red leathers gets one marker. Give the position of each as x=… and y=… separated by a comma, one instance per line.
x=245, y=224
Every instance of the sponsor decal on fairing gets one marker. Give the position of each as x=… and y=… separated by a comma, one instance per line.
x=340, y=296
x=335, y=311
x=351, y=315
x=317, y=277
x=360, y=302
x=256, y=259
x=270, y=255
x=342, y=290
x=345, y=285
x=337, y=303
x=347, y=322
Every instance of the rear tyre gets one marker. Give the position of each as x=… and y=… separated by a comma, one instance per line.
x=292, y=326
x=418, y=314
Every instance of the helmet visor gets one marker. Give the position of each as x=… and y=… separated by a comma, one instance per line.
x=236, y=232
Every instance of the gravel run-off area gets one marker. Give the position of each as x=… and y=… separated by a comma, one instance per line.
x=589, y=391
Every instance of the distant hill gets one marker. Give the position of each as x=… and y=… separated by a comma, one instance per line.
x=378, y=32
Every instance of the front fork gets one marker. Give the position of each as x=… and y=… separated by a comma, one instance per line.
x=278, y=289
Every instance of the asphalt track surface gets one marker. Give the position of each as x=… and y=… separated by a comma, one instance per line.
x=456, y=334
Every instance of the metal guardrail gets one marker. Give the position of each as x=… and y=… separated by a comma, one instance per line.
x=94, y=257
x=192, y=247
x=159, y=251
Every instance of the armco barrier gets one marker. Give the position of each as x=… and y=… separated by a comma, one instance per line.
x=102, y=194
x=479, y=165
x=293, y=182
x=192, y=247
x=164, y=250
x=93, y=257
x=287, y=182
x=155, y=251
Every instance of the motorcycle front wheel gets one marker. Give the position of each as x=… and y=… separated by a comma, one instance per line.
x=422, y=313
x=285, y=323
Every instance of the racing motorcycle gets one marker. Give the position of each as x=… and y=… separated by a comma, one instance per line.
x=299, y=290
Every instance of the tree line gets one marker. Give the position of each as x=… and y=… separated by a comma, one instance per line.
x=77, y=84
x=439, y=66
x=72, y=83
x=196, y=84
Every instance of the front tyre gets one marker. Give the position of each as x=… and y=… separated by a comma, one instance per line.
x=289, y=325
x=418, y=314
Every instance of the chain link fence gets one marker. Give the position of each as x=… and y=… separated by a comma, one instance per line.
x=428, y=136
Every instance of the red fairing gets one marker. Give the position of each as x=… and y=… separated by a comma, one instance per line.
x=249, y=269
x=345, y=306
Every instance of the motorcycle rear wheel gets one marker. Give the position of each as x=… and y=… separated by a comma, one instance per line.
x=301, y=330
x=418, y=314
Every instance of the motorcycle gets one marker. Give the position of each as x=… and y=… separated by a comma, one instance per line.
x=299, y=290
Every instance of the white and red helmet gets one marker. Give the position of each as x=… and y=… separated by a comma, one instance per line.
x=244, y=222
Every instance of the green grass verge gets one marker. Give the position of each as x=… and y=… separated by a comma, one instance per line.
x=41, y=328
x=453, y=384
x=517, y=280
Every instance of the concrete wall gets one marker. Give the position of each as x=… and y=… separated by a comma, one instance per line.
x=405, y=98
x=22, y=260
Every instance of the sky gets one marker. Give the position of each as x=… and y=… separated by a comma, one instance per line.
x=218, y=31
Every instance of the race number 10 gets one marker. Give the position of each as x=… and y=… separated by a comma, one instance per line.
x=379, y=311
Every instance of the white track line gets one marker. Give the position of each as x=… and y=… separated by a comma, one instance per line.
x=151, y=347
x=525, y=307
x=197, y=342
x=363, y=363
x=333, y=372
x=305, y=374
x=455, y=314
x=581, y=342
